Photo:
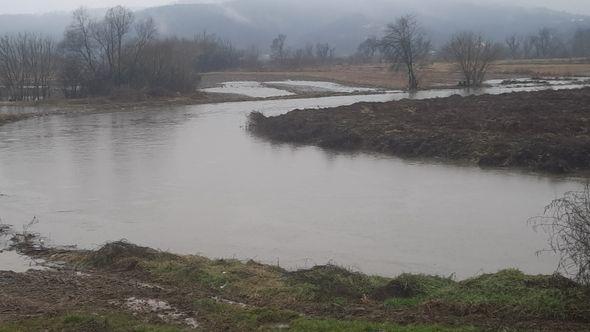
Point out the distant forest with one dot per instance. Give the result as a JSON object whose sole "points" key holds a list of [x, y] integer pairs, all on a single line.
{"points": [[116, 51]]}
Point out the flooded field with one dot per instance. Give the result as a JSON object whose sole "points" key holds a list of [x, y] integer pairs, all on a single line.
{"points": [[193, 180]]}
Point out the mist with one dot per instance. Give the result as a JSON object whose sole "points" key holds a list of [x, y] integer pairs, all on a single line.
{"points": [[32, 6]]}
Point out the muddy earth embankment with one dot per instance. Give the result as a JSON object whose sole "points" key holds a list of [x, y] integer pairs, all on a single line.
{"points": [[125, 287], [546, 131]]}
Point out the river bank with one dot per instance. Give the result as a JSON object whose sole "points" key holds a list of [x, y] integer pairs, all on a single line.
{"points": [[124, 287], [15, 111], [547, 131]]}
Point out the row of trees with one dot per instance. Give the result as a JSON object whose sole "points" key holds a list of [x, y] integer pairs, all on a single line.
{"points": [[116, 52], [544, 44], [282, 55], [26, 65], [406, 46], [120, 51]]}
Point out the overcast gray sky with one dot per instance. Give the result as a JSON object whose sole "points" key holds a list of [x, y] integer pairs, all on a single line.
{"points": [[41, 6]]}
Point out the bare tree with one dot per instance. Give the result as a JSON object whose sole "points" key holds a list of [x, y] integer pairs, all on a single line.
{"points": [[111, 36], [567, 221], [528, 44], [514, 43], [277, 48], [369, 48], [324, 52], [169, 66], [146, 32], [26, 65], [581, 43], [78, 38], [39, 65], [547, 44], [406, 45], [473, 54], [543, 44], [13, 64]]}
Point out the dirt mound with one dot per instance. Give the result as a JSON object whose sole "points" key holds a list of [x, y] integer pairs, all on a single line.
{"points": [[409, 286], [545, 131], [334, 281], [120, 255]]}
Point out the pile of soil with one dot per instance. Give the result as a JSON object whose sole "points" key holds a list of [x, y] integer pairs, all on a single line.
{"points": [[543, 131]]}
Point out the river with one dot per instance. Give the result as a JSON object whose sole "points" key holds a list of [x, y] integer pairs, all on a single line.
{"points": [[191, 179]]}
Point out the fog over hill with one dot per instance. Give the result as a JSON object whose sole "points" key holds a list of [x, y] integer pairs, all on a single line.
{"points": [[343, 23]]}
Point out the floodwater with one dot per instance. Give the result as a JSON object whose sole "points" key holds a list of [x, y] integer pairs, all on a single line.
{"points": [[191, 179], [11, 260], [318, 86], [250, 89]]}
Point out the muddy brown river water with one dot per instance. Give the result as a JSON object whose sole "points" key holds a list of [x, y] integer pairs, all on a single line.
{"points": [[191, 179]]}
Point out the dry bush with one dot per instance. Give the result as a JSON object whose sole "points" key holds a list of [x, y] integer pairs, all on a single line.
{"points": [[567, 221]]}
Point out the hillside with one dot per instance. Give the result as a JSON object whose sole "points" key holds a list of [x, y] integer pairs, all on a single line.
{"points": [[342, 23]]}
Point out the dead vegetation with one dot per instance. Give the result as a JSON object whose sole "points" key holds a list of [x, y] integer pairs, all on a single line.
{"points": [[124, 287], [380, 75], [546, 131]]}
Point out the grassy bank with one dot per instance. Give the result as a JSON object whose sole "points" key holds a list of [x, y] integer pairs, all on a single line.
{"points": [[543, 131], [123, 287]]}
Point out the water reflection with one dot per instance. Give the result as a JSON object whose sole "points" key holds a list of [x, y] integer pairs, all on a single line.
{"points": [[191, 180]]}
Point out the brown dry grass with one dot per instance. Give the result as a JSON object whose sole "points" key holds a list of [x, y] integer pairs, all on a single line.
{"points": [[439, 74]]}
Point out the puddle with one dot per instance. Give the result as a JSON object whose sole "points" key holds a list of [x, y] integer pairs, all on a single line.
{"points": [[250, 89], [146, 305], [163, 309], [12, 261], [538, 82]]}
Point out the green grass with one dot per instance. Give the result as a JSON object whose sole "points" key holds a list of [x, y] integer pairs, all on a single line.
{"points": [[221, 316], [114, 322], [508, 292], [513, 292], [305, 325], [331, 291], [336, 284]]}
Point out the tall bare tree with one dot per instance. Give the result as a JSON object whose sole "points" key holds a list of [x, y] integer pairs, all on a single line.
{"points": [[277, 48], [324, 52], [26, 65], [581, 43], [78, 38], [405, 45], [473, 54], [369, 48], [528, 45], [514, 44], [111, 35]]}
